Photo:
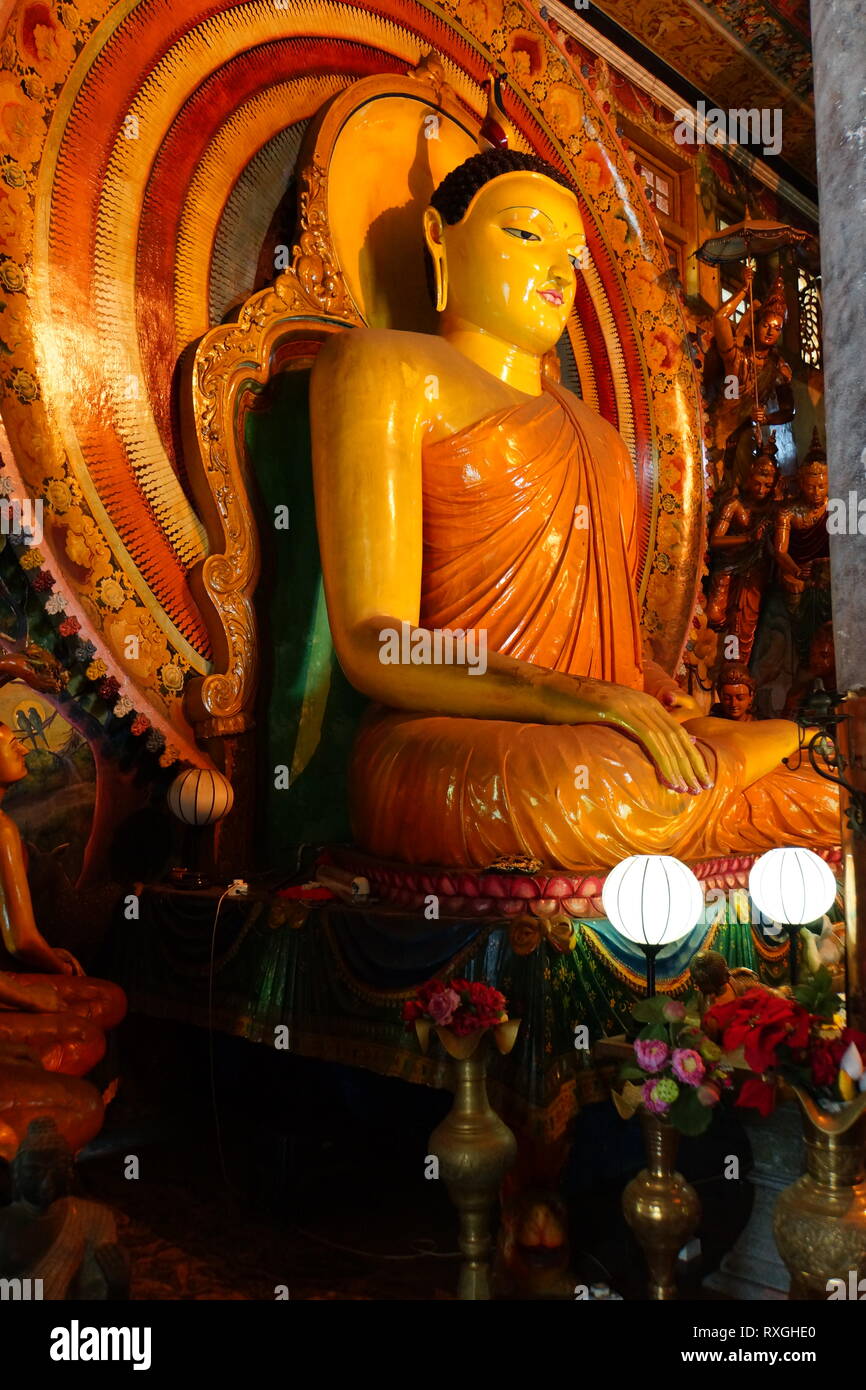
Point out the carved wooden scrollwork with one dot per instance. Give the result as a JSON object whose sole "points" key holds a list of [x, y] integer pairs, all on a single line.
{"points": [[230, 361]]}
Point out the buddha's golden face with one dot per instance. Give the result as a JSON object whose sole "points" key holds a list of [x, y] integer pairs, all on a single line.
{"points": [[511, 260]]}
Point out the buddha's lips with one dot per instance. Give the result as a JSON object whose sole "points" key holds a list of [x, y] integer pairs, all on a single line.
{"points": [[553, 296]]}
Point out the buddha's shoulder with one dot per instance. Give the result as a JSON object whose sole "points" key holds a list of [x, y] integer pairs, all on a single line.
{"points": [[386, 350], [598, 432]]}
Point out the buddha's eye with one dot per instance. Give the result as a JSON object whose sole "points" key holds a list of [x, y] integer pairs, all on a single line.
{"points": [[522, 233]]}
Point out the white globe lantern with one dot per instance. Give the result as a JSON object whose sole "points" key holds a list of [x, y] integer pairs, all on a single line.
{"points": [[199, 796], [652, 900], [792, 886]]}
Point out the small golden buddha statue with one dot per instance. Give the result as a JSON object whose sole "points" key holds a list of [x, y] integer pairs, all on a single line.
{"points": [[740, 555], [736, 694], [461, 491], [52, 1018], [718, 983]]}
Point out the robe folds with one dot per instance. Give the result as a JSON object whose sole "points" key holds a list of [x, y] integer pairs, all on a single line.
{"points": [[530, 536]]}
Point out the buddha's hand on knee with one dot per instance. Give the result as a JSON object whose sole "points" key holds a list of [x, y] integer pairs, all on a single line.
{"points": [[674, 753], [67, 962]]}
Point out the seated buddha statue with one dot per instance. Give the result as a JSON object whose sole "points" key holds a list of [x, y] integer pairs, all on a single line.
{"points": [[462, 494], [52, 1018]]}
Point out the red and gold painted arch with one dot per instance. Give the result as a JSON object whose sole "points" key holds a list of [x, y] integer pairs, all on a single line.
{"points": [[145, 149]]}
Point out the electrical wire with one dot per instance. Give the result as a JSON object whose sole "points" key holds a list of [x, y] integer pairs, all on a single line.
{"points": [[210, 1042], [377, 1254]]}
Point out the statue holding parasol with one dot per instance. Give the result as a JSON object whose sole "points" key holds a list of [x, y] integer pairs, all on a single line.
{"points": [[747, 374]]}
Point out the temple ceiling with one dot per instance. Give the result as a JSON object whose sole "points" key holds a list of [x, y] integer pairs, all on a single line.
{"points": [[739, 53]]}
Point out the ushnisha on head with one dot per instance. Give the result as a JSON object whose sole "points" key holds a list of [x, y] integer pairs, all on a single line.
{"points": [[505, 237]]}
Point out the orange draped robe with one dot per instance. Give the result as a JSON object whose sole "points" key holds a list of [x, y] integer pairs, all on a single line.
{"points": [[530, 535]]}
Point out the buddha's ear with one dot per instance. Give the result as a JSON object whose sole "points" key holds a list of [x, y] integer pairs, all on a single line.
{"points": [[435, 243], [433, 228]]}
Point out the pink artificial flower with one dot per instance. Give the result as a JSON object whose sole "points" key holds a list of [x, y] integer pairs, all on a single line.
{"points": [[441, 1006], [688, 1066], [708, 1095], [651, 1053], [673, 1010]]}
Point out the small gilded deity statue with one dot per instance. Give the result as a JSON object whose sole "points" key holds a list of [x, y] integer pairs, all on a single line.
{"points": [[800, 540], [741, 558], [756, 389], [736, 694]]}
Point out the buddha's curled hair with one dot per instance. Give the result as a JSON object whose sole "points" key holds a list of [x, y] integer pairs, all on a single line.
{"points": [[457, 189]]}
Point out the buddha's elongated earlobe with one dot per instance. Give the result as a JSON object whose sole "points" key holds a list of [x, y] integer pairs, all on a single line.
{"points": [[433, 239], [440, 272]]}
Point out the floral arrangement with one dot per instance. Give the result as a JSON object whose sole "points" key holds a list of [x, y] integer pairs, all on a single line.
{"points": [[678, 1072], [464, 1006], [802, 1040]]}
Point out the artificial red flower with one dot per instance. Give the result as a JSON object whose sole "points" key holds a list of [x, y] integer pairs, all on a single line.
{"points": [[69, 627], [44, 581], [825, 1058], [757, 1095], [108, 687], [760, 1023]]}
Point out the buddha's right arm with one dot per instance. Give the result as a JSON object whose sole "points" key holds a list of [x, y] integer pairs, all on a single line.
{"points": [[369, 415], [19, 933]]}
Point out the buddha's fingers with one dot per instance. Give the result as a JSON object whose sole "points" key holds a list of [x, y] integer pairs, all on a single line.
{"points": [[672, 769], [696, 758], [688, 759]]}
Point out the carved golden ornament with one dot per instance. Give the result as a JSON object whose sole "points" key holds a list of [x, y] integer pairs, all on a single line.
{"points": [[231, 361], [527, 932], [820, 1220]]}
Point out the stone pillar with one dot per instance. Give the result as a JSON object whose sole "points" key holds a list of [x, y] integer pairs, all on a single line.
{"points": [[839, 51], [753, 1269]]}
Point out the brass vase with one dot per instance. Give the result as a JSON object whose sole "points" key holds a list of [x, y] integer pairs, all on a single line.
{"points": [[475, 1149], [820, 1220], [662, 1208]]}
